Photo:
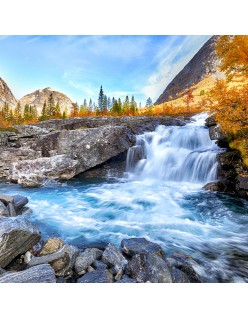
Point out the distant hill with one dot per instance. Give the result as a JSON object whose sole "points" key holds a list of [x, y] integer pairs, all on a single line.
{"points": [[6, 95], [39, 96], [204, 64]]}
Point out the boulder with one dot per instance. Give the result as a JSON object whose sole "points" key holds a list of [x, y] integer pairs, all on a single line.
{"points": [[52, 245], [214, 186], [62, 260], [210, 121], [149, 268], [216, 133], [186, 264], [85, 143], [126, 280], [113, 257], [86, 258], [16, 237], [99, 265], [3, 209], [34, 173], [19, 202], [178, 276], [140, 245], [97, 276], [37, 274]]}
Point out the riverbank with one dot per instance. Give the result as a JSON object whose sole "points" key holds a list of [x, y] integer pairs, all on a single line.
{"points": [[24, 258]]}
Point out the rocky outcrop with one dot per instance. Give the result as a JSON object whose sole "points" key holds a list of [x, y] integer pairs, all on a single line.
{"points": [[140, 246], [16, 237], [61, 149], [12, 205], [203, 64], [39, 96], [232, 173], [37, 274], [6, 95]]}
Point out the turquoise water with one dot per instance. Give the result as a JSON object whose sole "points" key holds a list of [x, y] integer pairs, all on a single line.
{"points": [[181, 217], [159, 198]]}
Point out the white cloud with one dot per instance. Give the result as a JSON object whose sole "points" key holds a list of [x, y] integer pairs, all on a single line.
{"points": [[172, 58]]}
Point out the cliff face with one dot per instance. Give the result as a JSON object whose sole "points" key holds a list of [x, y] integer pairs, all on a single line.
{"points": [[203, 64], [39, 96], [6, 95]]}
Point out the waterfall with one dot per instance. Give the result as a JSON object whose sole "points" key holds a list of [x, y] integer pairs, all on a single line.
{"points": [[175, 153]]}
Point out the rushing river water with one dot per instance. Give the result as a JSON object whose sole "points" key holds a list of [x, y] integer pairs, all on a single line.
{"points": [[159, 198]]}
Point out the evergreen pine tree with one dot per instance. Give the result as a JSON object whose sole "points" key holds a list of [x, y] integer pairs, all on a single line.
{"points": [[18, 114], [133, 106], [57, 110], [51, 106], [101, 100], [126, 106]]}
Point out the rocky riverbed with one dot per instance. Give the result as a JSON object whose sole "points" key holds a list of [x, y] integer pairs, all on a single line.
{"points": [[24, 258], [232, 173]]}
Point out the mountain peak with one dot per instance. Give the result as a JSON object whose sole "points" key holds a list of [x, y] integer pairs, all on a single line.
{"points": [[203, 64], [6, 96]]}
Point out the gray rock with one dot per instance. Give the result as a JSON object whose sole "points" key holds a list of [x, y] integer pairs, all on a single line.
{"points": [[99, 265], [38, 274], [34, 173], [29, 130], [97, 276], [6, 198], [127, 280], [16, 237], [216, 133], [149, 268], [89, 141], [86, 258], [2, 271], [179, 276], [3, 209], [137, 267], [140, 245], [186, 264], [113, 257], [62, 261], [19, 202]]}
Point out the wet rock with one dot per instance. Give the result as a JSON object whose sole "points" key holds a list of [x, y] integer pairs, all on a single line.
{"points": [[83, 245], [97, 276], [33, 173], [149, 268], [126, 280], [186, 264], [17, 236], [140, 245], [52, 245], [2, 271], [113, 257], [38, 274], [179, 276], [19, 202], [3, 209], [99, 265], [214, 186], [216, 133], [210, 121], [86, 258]]}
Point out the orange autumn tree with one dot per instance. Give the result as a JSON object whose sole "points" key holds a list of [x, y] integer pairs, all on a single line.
{"points": [[231, 102]]}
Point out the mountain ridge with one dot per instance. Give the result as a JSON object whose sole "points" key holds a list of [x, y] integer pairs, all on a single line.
{"points": [[203, 64]]}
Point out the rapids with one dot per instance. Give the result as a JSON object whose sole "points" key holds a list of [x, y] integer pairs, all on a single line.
{"points": [[159, 197]]}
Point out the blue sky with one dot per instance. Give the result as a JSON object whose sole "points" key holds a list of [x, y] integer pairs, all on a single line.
{"points": [[77, 65]]}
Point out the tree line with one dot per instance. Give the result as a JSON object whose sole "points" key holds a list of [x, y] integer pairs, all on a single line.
{"points": [[51, 109]]}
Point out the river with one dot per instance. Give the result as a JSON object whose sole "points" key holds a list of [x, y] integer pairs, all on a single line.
{"points": [[159, 197]]}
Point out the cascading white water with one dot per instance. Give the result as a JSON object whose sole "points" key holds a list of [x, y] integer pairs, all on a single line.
{"points": [[178, 153]]}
